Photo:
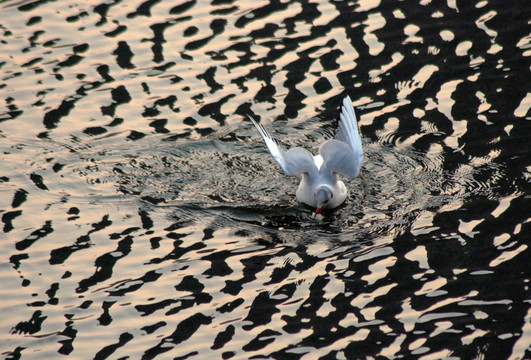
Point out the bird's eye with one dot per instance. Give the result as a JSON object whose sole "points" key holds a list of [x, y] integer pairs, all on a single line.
{"points": [[331, 196]]}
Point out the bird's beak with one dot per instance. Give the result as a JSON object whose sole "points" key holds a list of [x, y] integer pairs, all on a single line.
{"points": [[318, 210]]}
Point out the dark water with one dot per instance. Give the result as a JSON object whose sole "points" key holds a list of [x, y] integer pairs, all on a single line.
{"points": [[142, 216]]}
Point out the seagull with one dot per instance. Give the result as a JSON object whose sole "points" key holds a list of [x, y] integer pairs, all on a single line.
{"points": [[320, 186]]}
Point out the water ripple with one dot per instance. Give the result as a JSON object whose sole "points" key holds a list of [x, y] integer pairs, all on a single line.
{"points": [[142, 216]]}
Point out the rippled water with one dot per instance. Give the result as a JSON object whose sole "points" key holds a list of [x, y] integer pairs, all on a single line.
{"points": [[142, 216]]}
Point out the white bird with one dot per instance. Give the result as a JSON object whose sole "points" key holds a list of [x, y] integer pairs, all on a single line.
{"points": [[320, 186]]}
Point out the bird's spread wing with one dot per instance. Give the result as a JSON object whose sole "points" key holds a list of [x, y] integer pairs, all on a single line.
{"points": [[295, 161], [344, 154]]}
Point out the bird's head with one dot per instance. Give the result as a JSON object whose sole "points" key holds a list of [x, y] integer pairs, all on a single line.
{"points": [[323, 195]]}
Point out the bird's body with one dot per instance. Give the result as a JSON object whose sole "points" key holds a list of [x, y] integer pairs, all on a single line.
{"points": [[306, 192], [320, 186]]}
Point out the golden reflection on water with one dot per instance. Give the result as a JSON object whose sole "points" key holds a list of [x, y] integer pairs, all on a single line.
{"points": [[140, 211]]}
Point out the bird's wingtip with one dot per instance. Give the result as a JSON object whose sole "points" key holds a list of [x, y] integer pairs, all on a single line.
{"points": [[252, 120], [347, 101]]}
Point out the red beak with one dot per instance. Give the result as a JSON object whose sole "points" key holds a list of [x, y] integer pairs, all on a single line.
{"points": [[318, 210]]}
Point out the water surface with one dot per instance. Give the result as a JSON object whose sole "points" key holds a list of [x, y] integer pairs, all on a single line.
{"points": [[142, 216]]}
